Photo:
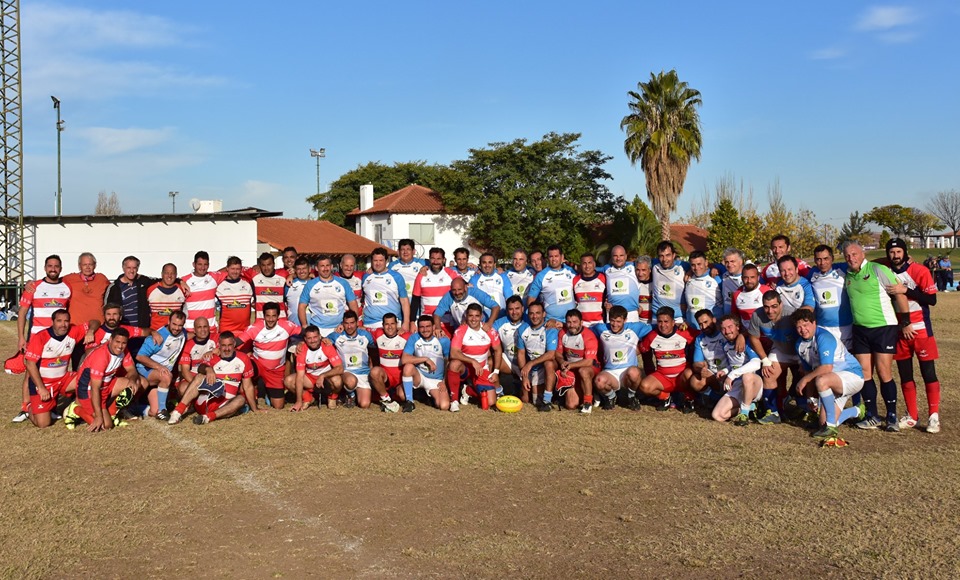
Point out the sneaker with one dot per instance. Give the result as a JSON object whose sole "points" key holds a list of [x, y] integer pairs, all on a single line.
{"points": [[907, 422], [163, 415], [390, 407], [893, 425], [464, 397], [825, 432], [933, 424], [597, 402], [125, 414], [862, 414], [586, 408], [608, 403], [741, 420], [201, 419], [544, 407], [175, 418], [70, 417], [770, 418], [454, 407], [118, 422], [664, 405], [633, 403], [869, 424], [350, 402], [409, 406], [124, 398], [21, 417], [687, 407]]}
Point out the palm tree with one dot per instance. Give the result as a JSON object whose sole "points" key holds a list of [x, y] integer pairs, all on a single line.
{"points": [[663, 133]]}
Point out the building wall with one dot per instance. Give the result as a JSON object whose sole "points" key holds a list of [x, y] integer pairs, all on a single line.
{"points": [[449, 231], [154, 243]]}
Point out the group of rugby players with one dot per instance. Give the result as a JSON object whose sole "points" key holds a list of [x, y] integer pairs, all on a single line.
{"points": [[674, 333]]}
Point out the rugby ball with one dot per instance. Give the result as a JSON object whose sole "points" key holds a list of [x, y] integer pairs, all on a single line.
{"points": [[509, 404]]}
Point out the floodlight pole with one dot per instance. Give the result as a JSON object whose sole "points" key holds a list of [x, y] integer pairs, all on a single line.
{"points": [[173, 199], [319, 154], [56, 105]]}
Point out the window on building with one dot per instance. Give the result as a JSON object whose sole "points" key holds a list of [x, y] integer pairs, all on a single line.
{"points": [[378, 233], [422, 234]]}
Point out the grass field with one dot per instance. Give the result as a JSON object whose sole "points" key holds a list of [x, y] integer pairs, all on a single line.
{"points": [[348, 493]]}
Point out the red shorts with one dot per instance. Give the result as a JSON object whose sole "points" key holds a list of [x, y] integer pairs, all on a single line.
{"points": [[483, 380], [104, 395], [669, 383], [55, 388], [925, 347], [393, 376], [272, 378], [210, 405]]}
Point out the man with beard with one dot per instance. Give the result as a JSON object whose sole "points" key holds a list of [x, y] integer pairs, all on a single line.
{"points": [[749, 298], [590, 290], [432, 284], [577, 363]]}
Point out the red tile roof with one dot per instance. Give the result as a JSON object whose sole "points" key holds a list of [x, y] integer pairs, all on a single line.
{"points": [[688, 236], [313, 237], [411, 199]]}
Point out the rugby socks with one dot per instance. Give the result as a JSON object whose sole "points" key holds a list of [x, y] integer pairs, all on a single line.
{"points": [[547, 397], [407, 388], [933, 396], [745, 408], [162, 398], [84, 413], [211, 416], [770, 400], [612, 395], [828, 402], [453, 383], [631, 394], [910, 398], [848, 413], [180, 408], [307, 397], [588, 399], [869, 392], [888, 390]]}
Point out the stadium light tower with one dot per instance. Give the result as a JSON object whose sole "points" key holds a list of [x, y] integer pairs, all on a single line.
{"points": [[319, 154], [56, 105], [173, 199]]}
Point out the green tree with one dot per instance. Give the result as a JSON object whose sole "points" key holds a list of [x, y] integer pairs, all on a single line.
{"points": [[525, 195], [855, 229], [727, 229], [634, 227], [884, 238], [663, 134], [922, 224], [895, 218], [344, 193]]}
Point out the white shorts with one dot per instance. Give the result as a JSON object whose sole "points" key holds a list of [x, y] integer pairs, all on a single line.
{"points": [[428, 384], [617, 374], [510, 363], [851, 386], [842, 333], [784, 358], [538, 375], [325, 332], [736, 392], [363, 381]]}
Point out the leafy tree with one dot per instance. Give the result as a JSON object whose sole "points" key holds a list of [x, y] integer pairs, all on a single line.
{"points": [[107, 205], [946, 207], [727, 229], [884, 238], [895, 218], [535, 194], [344, 193], [855, 229], [663, 134], [922, 224], [635, 227], [807, 235]]}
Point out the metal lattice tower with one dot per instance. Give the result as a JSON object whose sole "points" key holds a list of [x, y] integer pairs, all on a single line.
{"points": [[12, 242]]}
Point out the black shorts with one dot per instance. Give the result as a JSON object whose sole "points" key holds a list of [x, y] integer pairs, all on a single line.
{"points": [[880, 340]]}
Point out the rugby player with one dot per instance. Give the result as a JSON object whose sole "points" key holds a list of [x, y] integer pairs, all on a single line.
{"points": [[668, 280], [452, 310], [507, 328], [536, 262], [668, 345], [773, 337], [269, 286], [390, 344], [749, 298], [318, 365], [779, 247], [708, 358], [269, 338], [432, 284], [357, 349], [495, 284], [201, 289], [577, 363], [156, 361], [292, 293], [732, 279], [88, 290], [348, 271], [590, 290], [197, 350], [621, 283], [701, 291], [165, 297], [521, 275], [536, 356], [46, 358], [462, 266], [407, 264], [832, 304], [644, 270], [737, 372], [795, 292], [424, 366], [619, 340], [553, 286], [100, 392], [384, 291], [474, 355], [235, 294], [324, 299]]}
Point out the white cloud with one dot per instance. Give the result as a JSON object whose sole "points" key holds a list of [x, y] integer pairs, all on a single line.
{"points": [[829, 53], [261, 193], [68, 27], [110, 141], [879, 18]]}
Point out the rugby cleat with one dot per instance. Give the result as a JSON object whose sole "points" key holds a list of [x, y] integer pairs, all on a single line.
{"points": [[586, 408], [21, 417], [687, 407], [933, 424], [741, 420], [608, 403], [163, 415], [201, 419], [409, 406], [907, 422], [175, 418], [633, 403], [825, 432], [454, 407], [770, 418], [664, 405], [124, 398], [869, 424], [70, 417], [544, 407], [389, 406]]}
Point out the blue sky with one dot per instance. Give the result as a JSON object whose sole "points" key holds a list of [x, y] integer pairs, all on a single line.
{"points": [[848, 104]]}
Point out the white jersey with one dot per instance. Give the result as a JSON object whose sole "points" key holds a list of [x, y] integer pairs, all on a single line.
{"points": [[519, 281]]}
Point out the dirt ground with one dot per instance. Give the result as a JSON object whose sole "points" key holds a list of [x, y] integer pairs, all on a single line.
{"points": [[350, 493]]}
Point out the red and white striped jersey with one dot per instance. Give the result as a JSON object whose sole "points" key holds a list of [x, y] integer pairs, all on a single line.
{"points": [[163, 302], [317, 362], [356, 282], [232, 371], [45, 299], [577, 347], [645, 300], [269, 290], [203, 297], [745, 302], [236, 300], [391, 348], [476, 344], [269, 344], [103, 365], [589, 296], [52, 353], [103, 334], [670, 352], [431, 287], [194, 352]]}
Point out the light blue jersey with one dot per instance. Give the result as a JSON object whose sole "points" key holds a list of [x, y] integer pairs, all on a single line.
{"points": [[381, 295], [823, 348], [535, 342], [702, 292], [554, 288], [795, 296], [620, 349], [623, 289], [666, 288], [435, 349], [508, 336], [354, 350], [326, 301], [167, 353], [452, 312], [408, 270], [833, 306], [497, 286], [708, 348]]}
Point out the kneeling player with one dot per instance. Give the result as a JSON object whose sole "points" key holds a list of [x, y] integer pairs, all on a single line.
{"points": [[507, 327], [577, 363], [47, 354], [423, 366], [390, 342], [708, 358], [99, 391], [536, 352], [619, 340], [318, 365], [215, 388], [357, 349], [669, 348], [470, 359], [828, 367], [738, 375]]}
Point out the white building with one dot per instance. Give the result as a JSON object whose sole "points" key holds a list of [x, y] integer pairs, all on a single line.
{"points": [[414, 212], [153, 238]]}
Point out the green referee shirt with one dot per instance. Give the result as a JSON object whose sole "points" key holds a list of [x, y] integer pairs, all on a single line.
{"points": [[869, 301]]}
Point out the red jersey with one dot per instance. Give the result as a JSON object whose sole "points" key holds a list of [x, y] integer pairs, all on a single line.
{"points": [[194, 352], [391, 349], [236, 301], [232, 371], [164, 302], [577, 347], [103, 365], [917, 277], [645, 299], [317, 362], [203, 298], [52, 353], [670, 352], [589, 295], [269, 290], [744, 303], [476, 344], [45, 299], [269, 344], [432, 287]]}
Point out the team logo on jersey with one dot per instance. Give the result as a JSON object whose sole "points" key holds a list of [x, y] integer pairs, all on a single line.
{"points": [[619, 356], [827, 295], [51, 304], [709, 283], [57, 362], [268, 292], [665, 287], [618, 284], [235, 304], [354, 359], [378, 295], [564, 293], [329, 306], [389, 355], [695, 301]]}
